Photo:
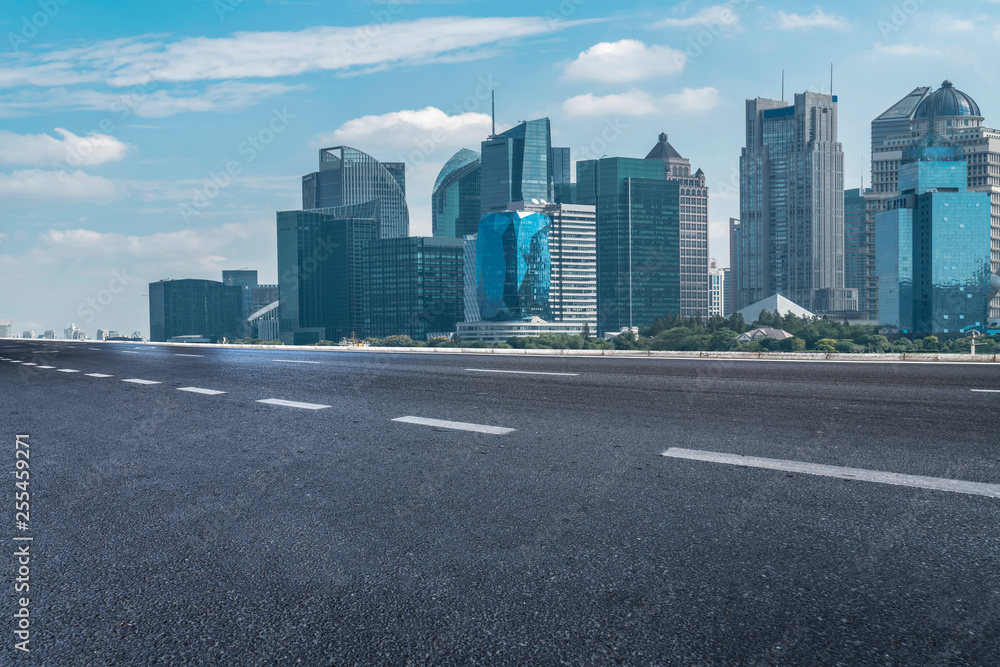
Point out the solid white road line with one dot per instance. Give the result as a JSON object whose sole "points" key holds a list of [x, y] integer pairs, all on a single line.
{"points": [[99, 375], [295, 361], [67, 370], [137, 381], [986, 391], [458, 426], [859, 474], [95, 349], [199, 390], [293, 404], [490, 370], [130, 352], [46, 366], [189, 355], [15, 361], [29, 363]]}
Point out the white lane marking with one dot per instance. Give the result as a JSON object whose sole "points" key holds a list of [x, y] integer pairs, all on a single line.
{"points": [[137, 381], [29, 363], [293, 404], [189, 355], [99, 375], [129, 352], [199, 390], [67, 370], [295, 361], [95, 349], [490, 370], [859, 474], [458, 426], [46, 366], [14, 361], [986, 391]]}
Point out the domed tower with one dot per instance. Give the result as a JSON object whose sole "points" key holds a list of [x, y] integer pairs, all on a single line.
{"points": [[945, 111]]}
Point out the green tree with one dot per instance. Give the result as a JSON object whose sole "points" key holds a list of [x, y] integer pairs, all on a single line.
{"points": [[826, 345]]}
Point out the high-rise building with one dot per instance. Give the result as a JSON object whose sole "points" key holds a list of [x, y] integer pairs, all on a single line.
{"points": [[727, 293], [349, 177], [573, 251], [716, 289], [562, 167], [790, 236], [456, 199], [948, 114], [6, 329], [246, 280], [694, 226], [102, 334], [413, 286], [321, 274], [513, 267], [638, 239], [27, 333], [858, 249], [470, 280], [933, 246], [517, 166], [191, 307]]}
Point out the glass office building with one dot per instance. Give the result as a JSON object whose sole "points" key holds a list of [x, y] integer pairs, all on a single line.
{"points": [[320, 275], [933, 247], [455, 200], [517, 166], [638, 240], [513, 266], [413, 286], [349, 177], [195, 308]]}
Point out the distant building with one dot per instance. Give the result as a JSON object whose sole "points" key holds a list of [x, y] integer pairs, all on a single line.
{"points": [[470, 279], [517, 166], [561, 165], [102, 334], [27, 333], [6, 329], [933, 246], [412, 286], [716, 289], [529, 327], [70, 332], [573, 253], [727, 293], [513, 266], [693, 227], [774, 304], [49, 334], [194, 308], [321, 273], [638, 239], [348, 177], [859, 252], [456, 198], [762, 333], [789, 238]]}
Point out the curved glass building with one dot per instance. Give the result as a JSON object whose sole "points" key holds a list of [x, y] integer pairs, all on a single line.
{"points": [[455, 199], [513, 266], [348, 177]]}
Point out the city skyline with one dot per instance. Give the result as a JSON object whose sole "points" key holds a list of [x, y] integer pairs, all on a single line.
{"points": [[188, 166]]}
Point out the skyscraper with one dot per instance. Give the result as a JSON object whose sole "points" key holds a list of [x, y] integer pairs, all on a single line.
{"points": [[933, 246], [716, 289], [513, 266], [638, 239], [517, 166], [412, 286], [859, 244], [790, 236], [573, 251], [951, 115], [694, 227], [320, 273], [349, 177], [456, 198]]}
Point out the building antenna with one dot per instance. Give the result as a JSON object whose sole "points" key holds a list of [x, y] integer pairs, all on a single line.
{"points": [[831, 79], [782, 85], [493, 98]]}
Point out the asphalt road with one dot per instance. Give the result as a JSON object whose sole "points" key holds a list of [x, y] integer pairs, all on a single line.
{"points": [[174, 526]]}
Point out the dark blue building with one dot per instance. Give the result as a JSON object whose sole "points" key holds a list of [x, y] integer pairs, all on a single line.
{"points": [[517, 166]]}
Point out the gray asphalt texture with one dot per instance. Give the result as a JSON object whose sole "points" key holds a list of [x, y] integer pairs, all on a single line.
{"points": [[175, 528]]}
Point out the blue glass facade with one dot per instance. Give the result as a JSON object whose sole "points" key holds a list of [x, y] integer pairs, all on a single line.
{"points": [[513, 266], [517, 166], [195, 308], [933, 249], [455, 200]]}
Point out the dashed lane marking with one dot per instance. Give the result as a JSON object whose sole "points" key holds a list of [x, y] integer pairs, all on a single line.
{"points": [[138, 381], [458, 426], [199, 390], [293, 404]]}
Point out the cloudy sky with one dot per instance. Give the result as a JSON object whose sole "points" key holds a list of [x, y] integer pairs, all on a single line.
{"points": [[158, 141]]}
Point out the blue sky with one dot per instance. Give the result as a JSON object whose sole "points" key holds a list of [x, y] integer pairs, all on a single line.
{"points": [[118, 126]]}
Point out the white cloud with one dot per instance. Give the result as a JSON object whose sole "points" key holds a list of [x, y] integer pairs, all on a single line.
{"points": [[633, 103], [135, 61], [717, 15], [904, 50], [818, 19], [427, 131], [624, 61], [31, 186], [638, 102], [44, 149]]}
